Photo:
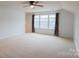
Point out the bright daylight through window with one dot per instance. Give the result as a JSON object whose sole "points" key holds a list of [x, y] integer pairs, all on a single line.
{"points": [[45, 21]]}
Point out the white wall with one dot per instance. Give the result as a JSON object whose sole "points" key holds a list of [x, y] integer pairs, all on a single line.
{"points": [[11, 21], [76, 31], [66, 24]]}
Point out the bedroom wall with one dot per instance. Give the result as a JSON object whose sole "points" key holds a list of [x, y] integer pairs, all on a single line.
{"points": [[66, 22], [11, 21], [76, 31]]}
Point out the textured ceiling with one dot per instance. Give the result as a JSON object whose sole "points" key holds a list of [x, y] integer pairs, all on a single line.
{"points": [[72, 6]]}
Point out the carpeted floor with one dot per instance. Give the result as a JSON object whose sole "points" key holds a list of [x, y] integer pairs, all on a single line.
{"points": [[36, 45]]}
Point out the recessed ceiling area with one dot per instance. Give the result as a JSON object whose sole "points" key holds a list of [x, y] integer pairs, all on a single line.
{"points": [[71, 6]]}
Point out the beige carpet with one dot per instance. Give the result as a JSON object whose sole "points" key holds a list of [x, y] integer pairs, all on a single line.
{"points": [[36, 45]]}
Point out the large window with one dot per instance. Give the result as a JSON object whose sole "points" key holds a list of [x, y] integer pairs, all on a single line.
{"points": [[36, 21], [45, 21], [52, 21]]}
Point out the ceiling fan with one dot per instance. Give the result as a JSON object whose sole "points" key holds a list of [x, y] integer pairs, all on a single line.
{"points": [[32, 4]]}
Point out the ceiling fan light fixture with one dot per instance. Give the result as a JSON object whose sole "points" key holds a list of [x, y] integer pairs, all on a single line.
{"points": [[32, 6]]}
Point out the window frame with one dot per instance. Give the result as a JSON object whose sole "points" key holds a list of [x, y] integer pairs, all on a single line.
{"points": [[48, 20]]}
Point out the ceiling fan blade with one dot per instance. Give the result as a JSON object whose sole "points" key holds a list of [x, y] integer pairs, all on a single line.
{"points": [[35, 2], [39, 5], [31, 4]]}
